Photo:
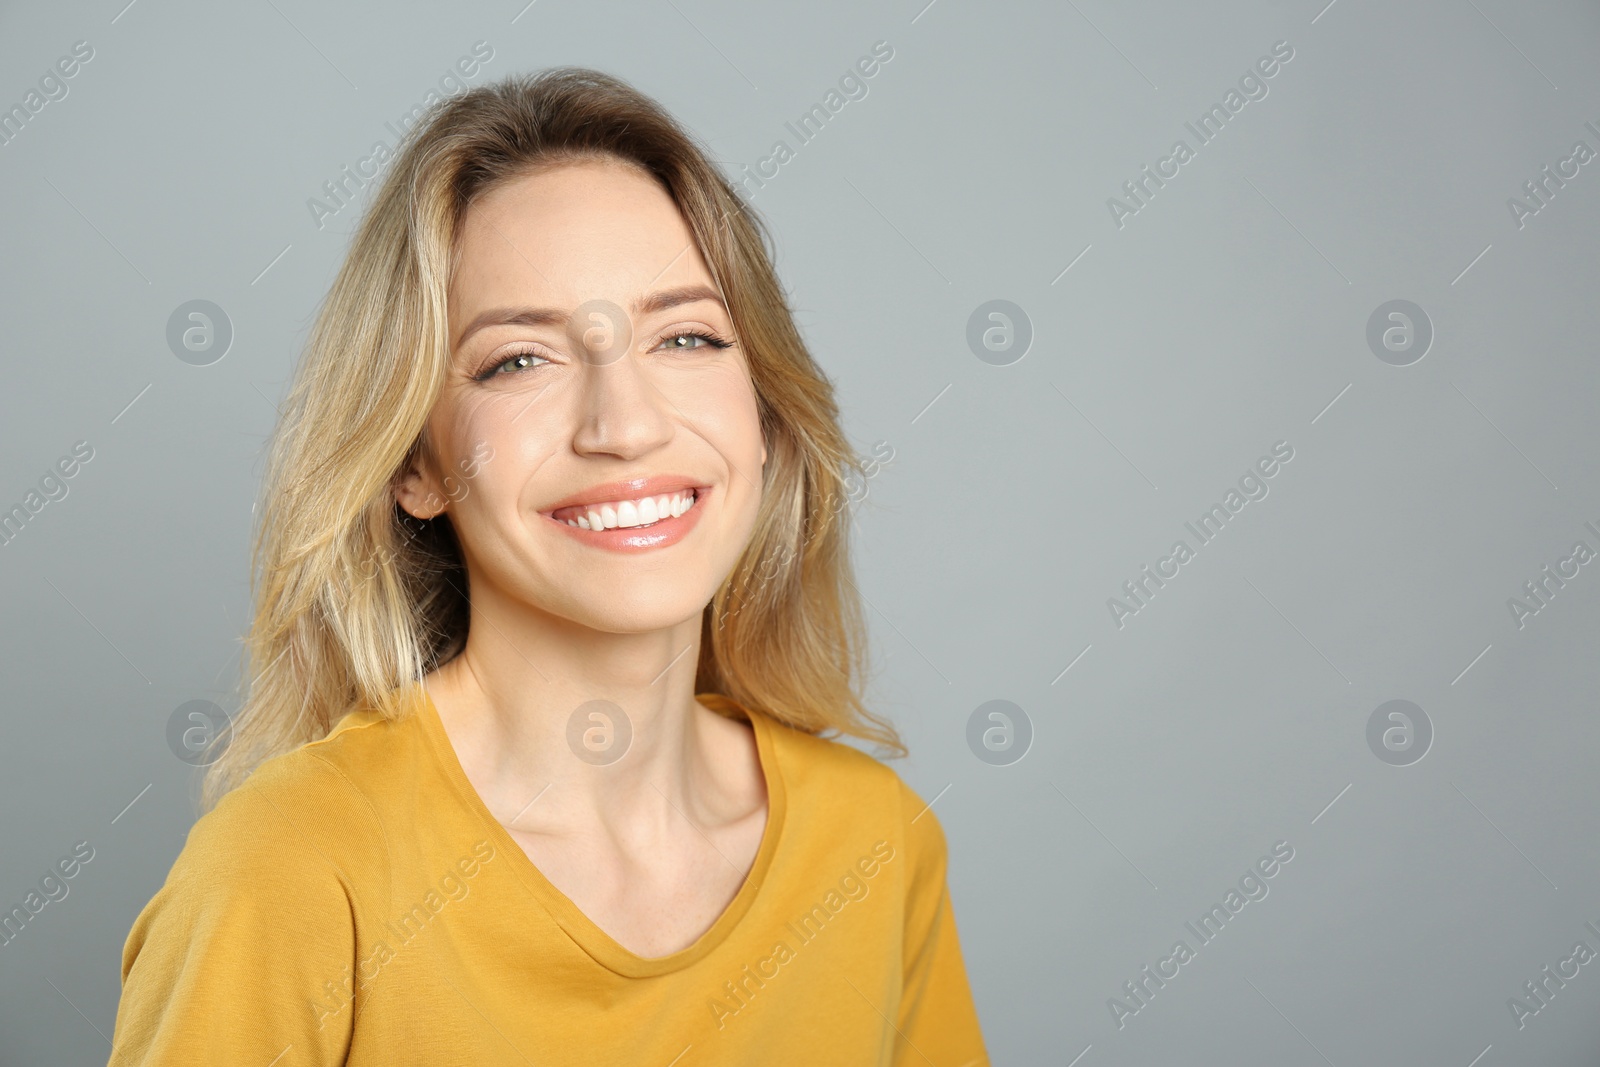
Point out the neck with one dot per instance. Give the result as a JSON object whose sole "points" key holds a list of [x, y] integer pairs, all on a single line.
{"points": [[561, 728]]}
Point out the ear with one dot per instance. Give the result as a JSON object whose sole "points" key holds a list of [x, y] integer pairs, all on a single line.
{"points": [[416, 489]]}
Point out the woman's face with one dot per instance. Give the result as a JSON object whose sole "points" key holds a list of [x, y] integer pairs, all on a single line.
{"points": [[593, 367]]}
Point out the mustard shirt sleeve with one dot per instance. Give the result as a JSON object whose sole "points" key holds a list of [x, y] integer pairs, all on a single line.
{"points": [[938, 1019], [229, 962]]}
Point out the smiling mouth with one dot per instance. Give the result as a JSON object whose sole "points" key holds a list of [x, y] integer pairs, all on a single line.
{"points": [[636, 513]]}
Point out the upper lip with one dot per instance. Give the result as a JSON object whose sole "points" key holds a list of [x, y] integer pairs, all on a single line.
{"points": [[631, 489]]}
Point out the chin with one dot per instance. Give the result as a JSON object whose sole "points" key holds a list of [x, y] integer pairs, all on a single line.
{"points": [[636, 613]]}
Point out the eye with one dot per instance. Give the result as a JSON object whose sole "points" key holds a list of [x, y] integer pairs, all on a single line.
{"points": [[518, 361], [680, 342]]}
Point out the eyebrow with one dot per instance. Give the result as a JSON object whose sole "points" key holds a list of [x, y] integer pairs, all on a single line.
{"points": [[532, 316]]}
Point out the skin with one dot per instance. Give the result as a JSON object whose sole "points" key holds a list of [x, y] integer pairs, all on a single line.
{"points": [[653, 846]]}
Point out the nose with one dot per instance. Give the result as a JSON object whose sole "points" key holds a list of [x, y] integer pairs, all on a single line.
{"points": [[621, 411]]}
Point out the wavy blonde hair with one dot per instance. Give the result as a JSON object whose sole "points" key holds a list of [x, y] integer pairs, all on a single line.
{"points": [[354, 599]]}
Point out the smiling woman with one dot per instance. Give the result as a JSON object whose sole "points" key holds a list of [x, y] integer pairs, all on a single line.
{"points": [[558, 296]]}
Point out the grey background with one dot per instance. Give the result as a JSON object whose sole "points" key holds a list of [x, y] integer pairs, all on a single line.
{"points": [[1228, 314]]}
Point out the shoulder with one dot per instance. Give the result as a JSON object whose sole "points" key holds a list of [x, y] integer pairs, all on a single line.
{"points": [[309, 802], [297, 851], [832, 775], [310, 816], [813, 761], [301, 843]]}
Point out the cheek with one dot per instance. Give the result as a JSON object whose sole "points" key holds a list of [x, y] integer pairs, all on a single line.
{"points": [[721, 405], [485, 446], [726, 416], [477, 419]]}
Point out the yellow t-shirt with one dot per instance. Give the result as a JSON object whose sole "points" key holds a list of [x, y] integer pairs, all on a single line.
{"points": [[354, 902]]}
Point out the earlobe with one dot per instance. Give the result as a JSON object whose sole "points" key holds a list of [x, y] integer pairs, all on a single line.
{"points": [[408, 492], [416, 487], [421, 510], [407, 501]]}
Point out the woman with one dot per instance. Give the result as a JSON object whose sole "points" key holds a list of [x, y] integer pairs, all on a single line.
{"points": [[553, 610]]}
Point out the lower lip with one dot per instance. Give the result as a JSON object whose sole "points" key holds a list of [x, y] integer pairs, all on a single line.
{"points": [[659, 534]]}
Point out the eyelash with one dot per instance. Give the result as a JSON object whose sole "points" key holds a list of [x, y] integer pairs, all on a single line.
{"points": [[493, 370]]}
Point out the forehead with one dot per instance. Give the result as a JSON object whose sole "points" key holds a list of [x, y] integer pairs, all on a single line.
{"points": [[569, 233]]}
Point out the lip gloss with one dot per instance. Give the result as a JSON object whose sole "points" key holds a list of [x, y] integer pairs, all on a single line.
{"points": [[659, 534]]}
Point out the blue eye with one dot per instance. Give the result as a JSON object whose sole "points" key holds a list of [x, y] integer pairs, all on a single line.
{"points": [[676, 341], [521, 361], [492, 371]]}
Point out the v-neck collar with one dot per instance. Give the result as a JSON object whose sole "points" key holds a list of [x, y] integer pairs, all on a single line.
{"points": [[590, 937]]}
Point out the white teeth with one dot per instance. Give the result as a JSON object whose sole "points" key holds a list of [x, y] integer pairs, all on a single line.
{"points": [[629, 513]]}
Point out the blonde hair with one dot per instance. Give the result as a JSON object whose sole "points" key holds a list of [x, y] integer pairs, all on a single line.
{"points": [[354, 599]]}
